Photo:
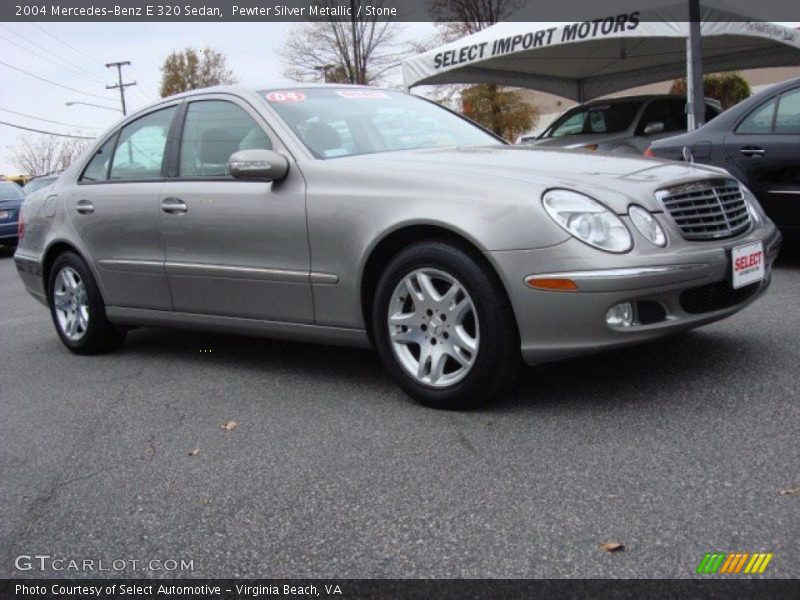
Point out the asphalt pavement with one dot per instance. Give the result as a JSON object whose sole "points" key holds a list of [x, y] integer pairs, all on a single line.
{"points": [[674, 449]]}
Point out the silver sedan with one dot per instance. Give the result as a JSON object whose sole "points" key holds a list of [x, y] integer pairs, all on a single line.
{"points": [[352, 215]]}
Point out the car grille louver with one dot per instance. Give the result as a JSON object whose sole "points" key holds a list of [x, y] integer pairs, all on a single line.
{"points": [[707, 210]]}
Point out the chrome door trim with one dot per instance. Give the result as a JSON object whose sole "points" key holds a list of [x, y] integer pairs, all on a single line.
{"points": [[175, 268], [139, 266]]}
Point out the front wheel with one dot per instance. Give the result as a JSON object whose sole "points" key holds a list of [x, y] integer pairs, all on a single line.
{"points": [[444, 327], [77, 308]]}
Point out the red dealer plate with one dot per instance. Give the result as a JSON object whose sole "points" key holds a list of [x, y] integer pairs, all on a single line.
{"points": [[748, 264]]}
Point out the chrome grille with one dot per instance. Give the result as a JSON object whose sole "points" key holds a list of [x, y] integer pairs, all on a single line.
{"points": [[707, 210]]}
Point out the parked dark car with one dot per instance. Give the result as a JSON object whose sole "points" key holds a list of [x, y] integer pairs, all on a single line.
{"points": [[624, 125], [11, 197], [757, 141]]}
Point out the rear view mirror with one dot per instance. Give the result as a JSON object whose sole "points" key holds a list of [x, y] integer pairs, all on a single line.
{"points": [[258, 164], [655, 127]]}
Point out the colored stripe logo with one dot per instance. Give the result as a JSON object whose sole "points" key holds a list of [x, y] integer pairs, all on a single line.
{"points": [[733, 563]]}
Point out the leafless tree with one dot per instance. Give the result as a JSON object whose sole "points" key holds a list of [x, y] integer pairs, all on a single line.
{"points": [[40, 155], [323, 50], [457, 18]]}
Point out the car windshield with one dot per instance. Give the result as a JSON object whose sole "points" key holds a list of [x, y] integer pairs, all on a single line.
{"points": [[345, 122], [10, 191], [613, 117]]}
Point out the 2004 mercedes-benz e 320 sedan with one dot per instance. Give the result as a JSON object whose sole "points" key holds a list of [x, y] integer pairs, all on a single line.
{"points": [[360, 216]]}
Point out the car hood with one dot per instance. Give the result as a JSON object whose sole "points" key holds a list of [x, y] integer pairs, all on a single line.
{"points": [[578, 141], [615, 180]]}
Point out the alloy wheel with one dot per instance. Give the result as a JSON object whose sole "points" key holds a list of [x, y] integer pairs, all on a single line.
{"points": [[71, 304], [433, 327]]}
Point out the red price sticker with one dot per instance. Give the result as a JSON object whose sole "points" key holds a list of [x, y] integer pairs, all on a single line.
{"points": [[278, 97]]}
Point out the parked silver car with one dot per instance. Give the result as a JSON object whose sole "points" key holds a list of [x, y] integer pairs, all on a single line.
{"points": [[351, 215], [624, 125]]}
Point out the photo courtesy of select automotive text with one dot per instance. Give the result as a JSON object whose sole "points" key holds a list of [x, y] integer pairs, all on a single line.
{"points": [[400, 299]]}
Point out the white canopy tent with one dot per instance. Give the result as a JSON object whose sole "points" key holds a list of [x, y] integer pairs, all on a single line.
{"points": [[588, 59]]}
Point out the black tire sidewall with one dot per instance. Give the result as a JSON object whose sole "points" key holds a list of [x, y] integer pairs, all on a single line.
{"points": [[498, 339], [100, 334]]}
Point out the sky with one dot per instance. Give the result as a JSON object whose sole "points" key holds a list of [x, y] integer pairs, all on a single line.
{"points": [[74, 55]]}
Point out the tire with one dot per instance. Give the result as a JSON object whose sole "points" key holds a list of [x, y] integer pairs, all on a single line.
{"points": [[452, 363], [77, 308]]}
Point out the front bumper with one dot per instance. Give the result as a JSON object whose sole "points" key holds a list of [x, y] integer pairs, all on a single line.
{"points": [[680, 287]]}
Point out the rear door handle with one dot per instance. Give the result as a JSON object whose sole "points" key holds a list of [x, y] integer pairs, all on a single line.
{"points": [[752, 151], [84, 207], [173, 206]]}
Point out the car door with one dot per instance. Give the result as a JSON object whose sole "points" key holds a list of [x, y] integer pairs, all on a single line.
{"points": [[237, 248], [765, 149], [115, 210]]}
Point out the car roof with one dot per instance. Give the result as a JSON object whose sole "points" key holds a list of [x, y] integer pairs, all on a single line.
{"points": [[247, 90]]}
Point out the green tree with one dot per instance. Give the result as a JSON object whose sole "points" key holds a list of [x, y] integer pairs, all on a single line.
{"points": [[502, 111], [191, 69], [728, 88]]}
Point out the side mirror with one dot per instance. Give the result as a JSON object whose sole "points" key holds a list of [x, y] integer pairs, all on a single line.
{"points": [[258, 164], [655, 127]]}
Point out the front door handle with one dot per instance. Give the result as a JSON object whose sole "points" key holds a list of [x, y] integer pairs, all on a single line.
{"points": [[84, 207], [752, 151], [173, 206]]}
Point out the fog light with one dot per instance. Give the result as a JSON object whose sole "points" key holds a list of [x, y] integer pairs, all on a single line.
{"points": [[620, 315]]}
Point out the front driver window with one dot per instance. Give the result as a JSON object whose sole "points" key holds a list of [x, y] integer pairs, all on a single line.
{"points": [[215, 129]]}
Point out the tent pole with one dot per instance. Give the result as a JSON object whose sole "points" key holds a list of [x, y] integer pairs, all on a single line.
{"points": [[695, 94]]}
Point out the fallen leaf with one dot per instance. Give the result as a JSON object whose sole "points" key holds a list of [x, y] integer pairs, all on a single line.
{"points": [[194, 451], [230, 425], [790, 492], [611, 546]]}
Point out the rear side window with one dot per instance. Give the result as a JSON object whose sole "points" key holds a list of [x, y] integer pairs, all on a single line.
{"points": [[142, 147], [760, 120], [658, 111], [97, 169], [213, 130], [787, 119]]}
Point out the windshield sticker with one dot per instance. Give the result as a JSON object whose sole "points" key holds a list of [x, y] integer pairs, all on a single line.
{"points": [[279, 97], [359, 94]]}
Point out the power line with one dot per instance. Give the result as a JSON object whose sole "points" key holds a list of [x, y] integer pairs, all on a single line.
{"points": [[144, 93], [50, 60], [68, 45], [13, 112], [60, 57], [66, 135], [28, 73]]}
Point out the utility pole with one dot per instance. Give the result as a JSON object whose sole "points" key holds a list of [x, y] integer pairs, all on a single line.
{"points": [[695, 94], [120, 86]]}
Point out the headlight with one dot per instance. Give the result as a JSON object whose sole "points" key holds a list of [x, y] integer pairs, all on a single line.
{"points": [[587, 220], [647, 225]]}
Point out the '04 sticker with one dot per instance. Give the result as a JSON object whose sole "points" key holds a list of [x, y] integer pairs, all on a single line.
{"points": [[278, 97]]}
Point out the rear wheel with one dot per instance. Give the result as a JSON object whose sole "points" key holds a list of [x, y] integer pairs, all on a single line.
{"points": [[77, 308], [444, 327]]}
